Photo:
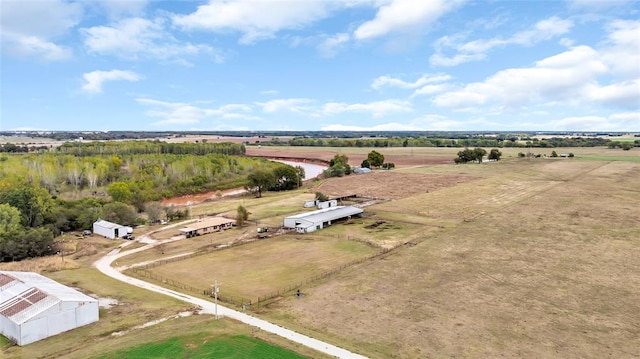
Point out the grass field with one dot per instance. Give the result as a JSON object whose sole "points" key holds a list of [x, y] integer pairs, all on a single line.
{"points": [[204, 345], [261, 268], [536, 259]]}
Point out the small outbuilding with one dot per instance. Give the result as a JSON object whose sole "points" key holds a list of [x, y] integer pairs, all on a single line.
{"points": [[111, 230], [34, 307], [362, 170], [207, 225], [311, 221]]}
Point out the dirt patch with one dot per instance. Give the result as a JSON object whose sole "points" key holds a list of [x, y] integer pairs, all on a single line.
{"points": [[390, 185], [201, 197]]}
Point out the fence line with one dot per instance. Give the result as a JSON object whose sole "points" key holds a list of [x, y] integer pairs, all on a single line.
{"points": [[243, 302]]}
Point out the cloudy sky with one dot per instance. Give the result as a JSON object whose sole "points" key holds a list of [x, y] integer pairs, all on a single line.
{"points": [[320, 65]]}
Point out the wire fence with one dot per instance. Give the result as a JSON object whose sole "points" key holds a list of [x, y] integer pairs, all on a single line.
{"points": [[246, 303]]}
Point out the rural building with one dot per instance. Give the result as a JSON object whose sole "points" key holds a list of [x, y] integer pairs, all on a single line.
{"points": [[34, 307], [111, 230], [361, 170], [311, 221], [327, 204], [207, 225]]}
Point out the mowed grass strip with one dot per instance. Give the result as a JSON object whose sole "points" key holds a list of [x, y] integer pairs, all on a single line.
{"points": [[264, 267], [199, 346]]}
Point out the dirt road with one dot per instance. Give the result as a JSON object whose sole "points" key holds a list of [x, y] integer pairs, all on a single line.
{"points": [[104, 265]]}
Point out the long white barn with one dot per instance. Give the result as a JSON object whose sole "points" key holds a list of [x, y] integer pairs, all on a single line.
{"points": [[311, 221], [34, 307]]}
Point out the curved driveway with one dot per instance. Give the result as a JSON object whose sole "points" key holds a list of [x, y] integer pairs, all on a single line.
{"points": [[104, 265]]}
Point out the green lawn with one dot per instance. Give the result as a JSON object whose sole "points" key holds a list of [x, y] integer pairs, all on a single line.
{"points": [[602, 158], [203, 346]]}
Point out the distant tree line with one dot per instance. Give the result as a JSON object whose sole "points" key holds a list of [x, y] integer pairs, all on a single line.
{"points": [[149, 147], [499, 142], [13, 148]]}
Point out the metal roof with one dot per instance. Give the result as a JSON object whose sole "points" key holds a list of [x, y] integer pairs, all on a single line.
{"points": [[23, 295], [328, 214], [106, 224], [206, 223]]}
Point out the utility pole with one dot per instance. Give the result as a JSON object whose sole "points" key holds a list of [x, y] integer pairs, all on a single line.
{"points": [[215, 296]]}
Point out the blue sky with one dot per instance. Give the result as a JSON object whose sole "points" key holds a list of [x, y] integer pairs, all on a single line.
{"points": [[320, 65]]}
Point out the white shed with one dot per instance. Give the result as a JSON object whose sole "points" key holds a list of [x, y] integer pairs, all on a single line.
{"points": [[111, 230], [34, 307], [311, 221]]}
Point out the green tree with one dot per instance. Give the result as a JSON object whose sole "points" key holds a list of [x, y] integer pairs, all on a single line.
{"points": [[321, 197], [340, 159], [495, 154], [34, 203], [479, 153], [286, 178], [120, 213], [301, 174], [554, 154], [365, 164], [375, 159], [626, 146], [120, 192], [241, 215], [260, 180], [9, 219]]}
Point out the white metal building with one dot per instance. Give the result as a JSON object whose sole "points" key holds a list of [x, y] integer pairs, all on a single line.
{"points": [[311, 221], [34, 307], [111, 230]]}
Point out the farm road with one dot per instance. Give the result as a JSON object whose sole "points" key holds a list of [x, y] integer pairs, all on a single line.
{"points": [[104, 265]]}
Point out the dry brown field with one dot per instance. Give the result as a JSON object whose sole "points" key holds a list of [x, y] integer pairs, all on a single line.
{"points": [[535, 258]]}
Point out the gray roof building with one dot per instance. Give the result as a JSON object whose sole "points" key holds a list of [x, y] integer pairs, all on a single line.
{"points": [[34, 307], [311, 221]]}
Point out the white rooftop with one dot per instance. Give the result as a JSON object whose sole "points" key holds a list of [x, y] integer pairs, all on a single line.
{"points": [[25, 294]]}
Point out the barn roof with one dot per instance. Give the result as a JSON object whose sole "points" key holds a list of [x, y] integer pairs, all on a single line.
{"points": [[106, 224], [24, 295], [206, 223], [328, 214]]}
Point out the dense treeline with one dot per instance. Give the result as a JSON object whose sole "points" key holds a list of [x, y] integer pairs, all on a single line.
{"points": [[13, 148], [149, 147], [44, 195], [147, 177], [446, 142]]}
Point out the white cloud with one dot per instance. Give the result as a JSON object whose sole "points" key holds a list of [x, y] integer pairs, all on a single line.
{"points": [[330, 46], [431, 90], [568, 77], [134, 37], [299, 105], [179, 113], [269, 92], [33, 46], [376, 108], [622, 50], [403, 15], [476, 50], [27, 28], [96, 79], [390, 81], [255, 19], [424, 123], [614, 122]]}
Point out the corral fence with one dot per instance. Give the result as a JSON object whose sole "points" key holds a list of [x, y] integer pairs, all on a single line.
{"points": [[247, 303]]}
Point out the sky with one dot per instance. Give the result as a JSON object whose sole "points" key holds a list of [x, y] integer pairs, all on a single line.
{"points": [[310, 65]]}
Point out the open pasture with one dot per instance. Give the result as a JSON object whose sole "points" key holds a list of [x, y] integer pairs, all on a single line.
{"points": [[537, 258], [261, 268]]}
